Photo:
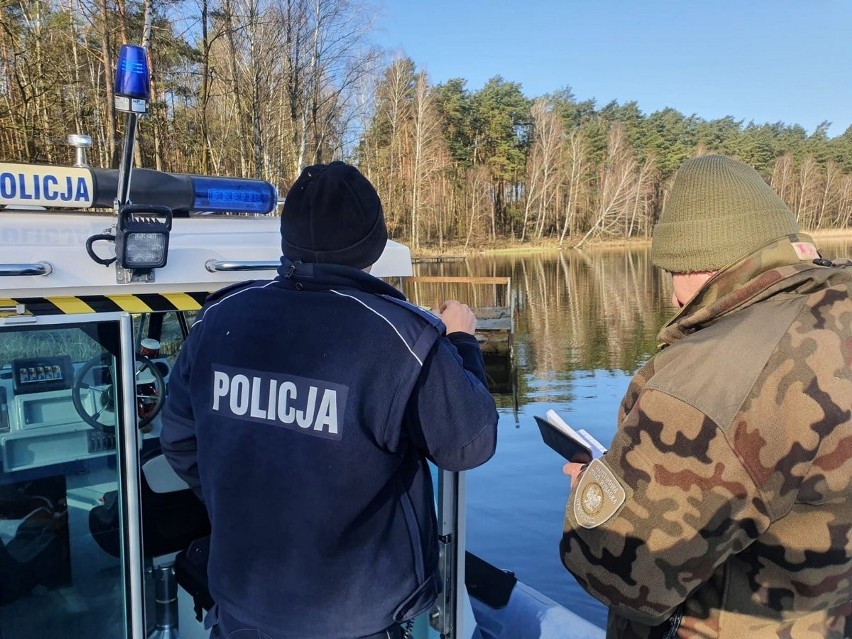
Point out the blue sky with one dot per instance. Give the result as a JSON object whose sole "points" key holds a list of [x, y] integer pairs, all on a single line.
{"points": [[760, 60]]}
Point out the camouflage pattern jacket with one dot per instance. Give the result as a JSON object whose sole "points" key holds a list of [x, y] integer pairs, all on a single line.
{"points": [[724, 505]]}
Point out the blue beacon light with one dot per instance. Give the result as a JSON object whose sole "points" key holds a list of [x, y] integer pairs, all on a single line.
{"points": [[217, 194], [132, 83]]}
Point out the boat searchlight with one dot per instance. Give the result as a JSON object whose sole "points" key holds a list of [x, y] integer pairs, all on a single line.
{"points": [[142, 236]]}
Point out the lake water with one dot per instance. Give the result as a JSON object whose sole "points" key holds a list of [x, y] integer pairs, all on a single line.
{"points": [[585, 321]]}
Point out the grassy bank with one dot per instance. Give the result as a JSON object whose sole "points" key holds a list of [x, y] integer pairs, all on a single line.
{"points": [[508, 247]]}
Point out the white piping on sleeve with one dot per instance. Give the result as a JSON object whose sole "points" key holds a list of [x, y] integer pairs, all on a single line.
{"points": [[370, 308]]}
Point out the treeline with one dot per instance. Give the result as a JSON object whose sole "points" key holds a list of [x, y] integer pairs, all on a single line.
{"points": [[262, 88]]}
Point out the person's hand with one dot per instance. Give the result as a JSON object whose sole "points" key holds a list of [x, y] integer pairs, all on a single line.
{"points": [[573, 470], [457, 317]]}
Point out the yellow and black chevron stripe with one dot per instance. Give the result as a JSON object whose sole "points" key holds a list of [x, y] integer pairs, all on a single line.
{"points": [[142, 303]]}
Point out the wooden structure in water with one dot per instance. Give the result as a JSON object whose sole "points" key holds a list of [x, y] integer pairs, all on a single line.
{"points": [[439, 259], [494, 308]]}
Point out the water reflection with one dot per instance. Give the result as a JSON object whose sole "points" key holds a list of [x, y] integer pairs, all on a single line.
{"points": [[585, 321], [835, 248], [575, 310]]}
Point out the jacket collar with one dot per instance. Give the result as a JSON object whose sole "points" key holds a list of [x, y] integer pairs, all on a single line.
{"points": [[315, 277], [761, 274]]}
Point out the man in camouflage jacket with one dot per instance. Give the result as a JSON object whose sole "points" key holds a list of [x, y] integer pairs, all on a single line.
{"points": [[723, 507]]}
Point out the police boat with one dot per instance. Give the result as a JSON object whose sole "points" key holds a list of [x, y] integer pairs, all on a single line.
{"points": [[101, 277]]}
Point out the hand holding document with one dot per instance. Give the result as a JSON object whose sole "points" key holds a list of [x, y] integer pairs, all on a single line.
{"points": [[574, 445]]}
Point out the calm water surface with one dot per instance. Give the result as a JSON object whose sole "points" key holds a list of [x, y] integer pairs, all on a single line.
{"points": [[585, 321]]}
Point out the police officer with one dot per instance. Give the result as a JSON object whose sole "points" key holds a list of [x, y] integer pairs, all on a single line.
{"points": [[304, 409], [724, 505]]}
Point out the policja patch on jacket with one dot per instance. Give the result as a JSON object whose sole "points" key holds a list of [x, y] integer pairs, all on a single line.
{"points": [[599, 495], [310, 406]]}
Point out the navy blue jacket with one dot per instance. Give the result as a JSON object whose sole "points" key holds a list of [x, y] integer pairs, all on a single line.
{"points": [[304, 408]]}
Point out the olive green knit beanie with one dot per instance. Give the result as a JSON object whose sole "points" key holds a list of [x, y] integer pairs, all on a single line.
{"points": [[719, 210]]}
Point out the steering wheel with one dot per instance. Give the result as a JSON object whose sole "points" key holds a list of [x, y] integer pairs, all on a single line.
{"points": [[96, 377]]}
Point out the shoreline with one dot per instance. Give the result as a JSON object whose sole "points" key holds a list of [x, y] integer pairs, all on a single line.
{"points": [[506, 247]]}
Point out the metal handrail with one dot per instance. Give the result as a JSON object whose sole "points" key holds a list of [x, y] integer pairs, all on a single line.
{"points": [[240, 265], [451, 545], [36, 268]]}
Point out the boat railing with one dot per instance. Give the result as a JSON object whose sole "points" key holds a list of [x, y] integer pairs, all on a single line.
{"points": [[35, 268], [240, 265]]}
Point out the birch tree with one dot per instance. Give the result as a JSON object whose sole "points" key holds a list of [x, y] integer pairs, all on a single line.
{"points": [[809, 188], [232, 27], [339, 57], [616, 184], [479, 205], [394, 100], [544, 165], [784, 179], [108, 69], [843, 216], [828, 199], [577, 182], [428, 158]]}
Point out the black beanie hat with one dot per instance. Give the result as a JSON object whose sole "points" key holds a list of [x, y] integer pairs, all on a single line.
{"points": [[333, 214]]}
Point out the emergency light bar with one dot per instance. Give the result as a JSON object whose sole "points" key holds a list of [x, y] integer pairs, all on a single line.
{"points": [[224, 194], [49, 186]]}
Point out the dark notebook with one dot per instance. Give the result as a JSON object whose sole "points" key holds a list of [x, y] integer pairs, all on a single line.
{"points": [[573, 445]]}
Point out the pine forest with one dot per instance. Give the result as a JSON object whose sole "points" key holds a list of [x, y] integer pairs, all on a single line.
{"points": [[263, 88]]}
